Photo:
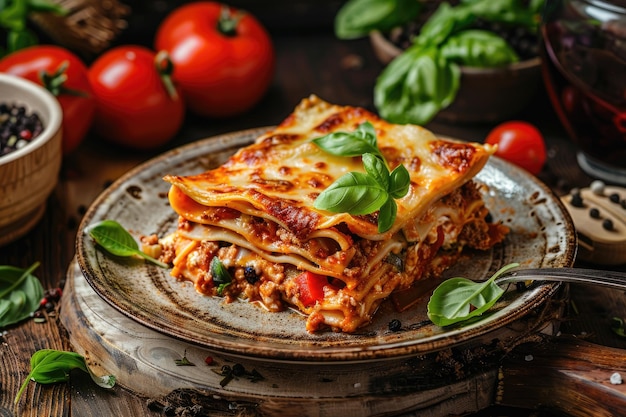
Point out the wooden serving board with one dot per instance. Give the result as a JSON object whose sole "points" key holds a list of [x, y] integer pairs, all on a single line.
{"points": [[454, 381]]}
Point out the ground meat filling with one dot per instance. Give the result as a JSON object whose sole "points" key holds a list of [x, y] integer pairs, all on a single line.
{"points": [[272, 284]]}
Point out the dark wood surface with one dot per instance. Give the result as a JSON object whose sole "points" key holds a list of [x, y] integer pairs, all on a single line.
{"points": [[310, 61]]}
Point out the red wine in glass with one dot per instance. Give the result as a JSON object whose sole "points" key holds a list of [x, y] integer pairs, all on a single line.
{"points": [[584, 69]]}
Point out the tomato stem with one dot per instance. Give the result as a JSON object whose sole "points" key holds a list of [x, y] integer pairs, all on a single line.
{"points": [[228, 22], [55, 82], [165, 68]]}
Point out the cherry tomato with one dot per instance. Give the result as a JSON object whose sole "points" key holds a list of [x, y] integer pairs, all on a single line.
{"points": [[520, 143], [135, 108], [223, 57], [65, 76]]}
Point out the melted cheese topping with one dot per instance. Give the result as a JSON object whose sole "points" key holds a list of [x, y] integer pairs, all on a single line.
{"points": [[280, 175]]}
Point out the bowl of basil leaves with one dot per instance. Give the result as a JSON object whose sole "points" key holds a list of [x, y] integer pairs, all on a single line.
{"points": [[473, 61]]}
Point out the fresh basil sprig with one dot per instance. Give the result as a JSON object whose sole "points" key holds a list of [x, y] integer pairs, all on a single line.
{"points": [[220, 275], [360, 193], [416, 85], [48, 366], [20, 293], [117, 241], [458, 299], [425, 78]]}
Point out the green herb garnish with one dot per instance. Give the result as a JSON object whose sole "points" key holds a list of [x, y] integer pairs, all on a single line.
{"points": [[116, 240], [360, 193], [183, 361], [48, 366], [20, 294], [458, 299], [220, 275]]}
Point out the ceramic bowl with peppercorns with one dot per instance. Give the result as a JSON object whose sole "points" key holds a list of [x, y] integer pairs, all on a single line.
{"points": [[485, 95], [30, 154], [456, 61]]}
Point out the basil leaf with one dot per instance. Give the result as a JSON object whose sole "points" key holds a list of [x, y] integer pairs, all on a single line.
{"points": [[458, 299], [512, 12], [356, 143], [445, 21], [20, 294], [399, 182], [220, 274], [387, 215], [354, 193], [376, 169], [448, 20], [49, 366], [117, 241], [356, 18], [416, 85], [478, 48]]}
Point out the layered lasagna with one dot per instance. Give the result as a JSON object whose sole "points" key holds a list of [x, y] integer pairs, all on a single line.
{"points": [[249, 229]]}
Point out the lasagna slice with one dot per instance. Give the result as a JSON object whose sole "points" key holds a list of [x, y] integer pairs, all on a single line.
{"points": [[249, 229]]}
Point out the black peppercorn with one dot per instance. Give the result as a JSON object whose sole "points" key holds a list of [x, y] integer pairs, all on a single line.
{"points": [[17, 127], [577, 200], [395, 325], [594, 213]]}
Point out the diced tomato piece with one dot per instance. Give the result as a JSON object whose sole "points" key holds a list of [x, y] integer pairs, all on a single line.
{"points": [[311, 287]]}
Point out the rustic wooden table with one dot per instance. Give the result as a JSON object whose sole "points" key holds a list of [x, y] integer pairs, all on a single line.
{"points": [[342, 72]]}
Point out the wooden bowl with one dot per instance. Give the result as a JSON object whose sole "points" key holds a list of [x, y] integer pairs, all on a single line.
{"points": [[485, 95], [28, 175]]}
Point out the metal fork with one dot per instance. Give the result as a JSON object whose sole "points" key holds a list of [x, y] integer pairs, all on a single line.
{"points": [[611, 279]]}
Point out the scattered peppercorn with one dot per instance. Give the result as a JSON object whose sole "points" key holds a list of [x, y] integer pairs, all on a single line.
{"points": [[594, 213], [607, 224], [614, 198], [18, 127], [48, 303], [395, 325], [577, 200]]}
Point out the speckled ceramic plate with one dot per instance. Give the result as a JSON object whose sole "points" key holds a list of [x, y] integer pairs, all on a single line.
{"points": [[542, 235]]}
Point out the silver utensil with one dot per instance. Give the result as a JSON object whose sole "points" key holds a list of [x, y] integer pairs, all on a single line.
{"points": [[611, 279]]}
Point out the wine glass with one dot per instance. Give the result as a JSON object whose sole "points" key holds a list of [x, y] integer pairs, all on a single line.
{"points": [[584, 69]]}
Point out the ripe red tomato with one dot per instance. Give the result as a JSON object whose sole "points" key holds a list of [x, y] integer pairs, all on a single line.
{"points": [[134, 107], [65, 76], [311, 287], [223, 58], [520, 143]]}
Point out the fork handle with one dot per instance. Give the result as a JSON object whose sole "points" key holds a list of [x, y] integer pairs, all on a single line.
{"points": [[610, 279]]}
